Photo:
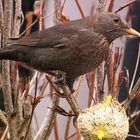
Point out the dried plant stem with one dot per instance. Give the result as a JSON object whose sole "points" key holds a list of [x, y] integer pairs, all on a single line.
{"points": [[5, 133], [100, 80], [101, 6], [62, 7], [134, 136], [58, 13], [8, 8], [27, 113], [3, 118], [31, 25], [100, 71], [78, 86], [71, 99], [56, 135], [135, 71], [72, 135], [14, 68], [80, 8], [46, 128], [33, 108], [132, 94], [109, 5], [91, 85], [41, 24], [31, 84], [126, 5], [44, 87], [1, 16], [67, 128]]}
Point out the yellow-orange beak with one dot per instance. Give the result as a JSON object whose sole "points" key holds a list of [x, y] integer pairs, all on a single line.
{"points": [[133, 32]]}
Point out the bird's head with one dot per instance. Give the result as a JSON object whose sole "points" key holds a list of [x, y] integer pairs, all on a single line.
{"points": [[112, 26]]}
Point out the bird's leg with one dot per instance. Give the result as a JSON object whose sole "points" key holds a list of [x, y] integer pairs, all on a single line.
{"points": [[58, 93], [63, 78], [60, 78]]}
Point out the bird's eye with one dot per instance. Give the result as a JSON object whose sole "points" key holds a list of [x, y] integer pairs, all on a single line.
{"points": [[116, 20]]}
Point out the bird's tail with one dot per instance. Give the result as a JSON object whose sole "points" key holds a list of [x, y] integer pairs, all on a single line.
{"points": [[7, 53], [12, 53]]}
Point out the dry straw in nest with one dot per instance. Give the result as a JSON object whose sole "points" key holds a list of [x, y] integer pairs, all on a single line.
{"points": [[104, 121]]}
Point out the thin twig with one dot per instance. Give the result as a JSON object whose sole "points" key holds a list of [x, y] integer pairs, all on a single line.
{"points": [[67, 128], [135, 114], [126, 5], [3, 118], [48, 122], [80, 8], [3, 137], [18, 15], [62, 7], [72, 135], [1, 16], [33, 108], [71, 99], [135, 71], [109, 5], [31, 84], [101, 6], [90, 77], [56, 130], [133, 136], [36, 121], [133, 93], [78, 86], [31, 24], [41, 23], [8, 18]]}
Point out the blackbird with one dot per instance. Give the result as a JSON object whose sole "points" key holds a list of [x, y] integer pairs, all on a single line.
{"points": [[75, 48]]}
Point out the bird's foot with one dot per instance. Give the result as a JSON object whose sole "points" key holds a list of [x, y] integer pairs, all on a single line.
{"points": [[60, 78]]}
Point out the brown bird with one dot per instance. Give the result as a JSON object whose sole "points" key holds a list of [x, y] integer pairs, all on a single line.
{"points": [[74, 48]]}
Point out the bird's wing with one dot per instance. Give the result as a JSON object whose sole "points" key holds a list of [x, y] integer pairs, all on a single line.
{"points": [[58, 36]]}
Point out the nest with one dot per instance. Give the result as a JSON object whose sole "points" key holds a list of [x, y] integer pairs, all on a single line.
{"points": [[104, 121]]}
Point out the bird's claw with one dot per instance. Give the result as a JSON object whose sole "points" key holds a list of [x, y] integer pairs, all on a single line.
{"points": [[60, 79]]}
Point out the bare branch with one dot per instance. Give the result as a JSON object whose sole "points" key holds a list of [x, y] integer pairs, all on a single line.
{"points": [[3, 118], [80, 8], [133, 93], [8, 8], [1, 16], [67, 128], [135, 71], [46, 128], [3, 137], [101, 6], [126, 5], [109, 5]]}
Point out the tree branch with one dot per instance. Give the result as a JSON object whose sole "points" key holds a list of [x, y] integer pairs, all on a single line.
{"points": [[126, 5], [133, 93], [46, 128], [8, 8], [101, 6]]}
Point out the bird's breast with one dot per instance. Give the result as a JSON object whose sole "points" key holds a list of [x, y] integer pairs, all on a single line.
{"points": [[94, 55]]}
